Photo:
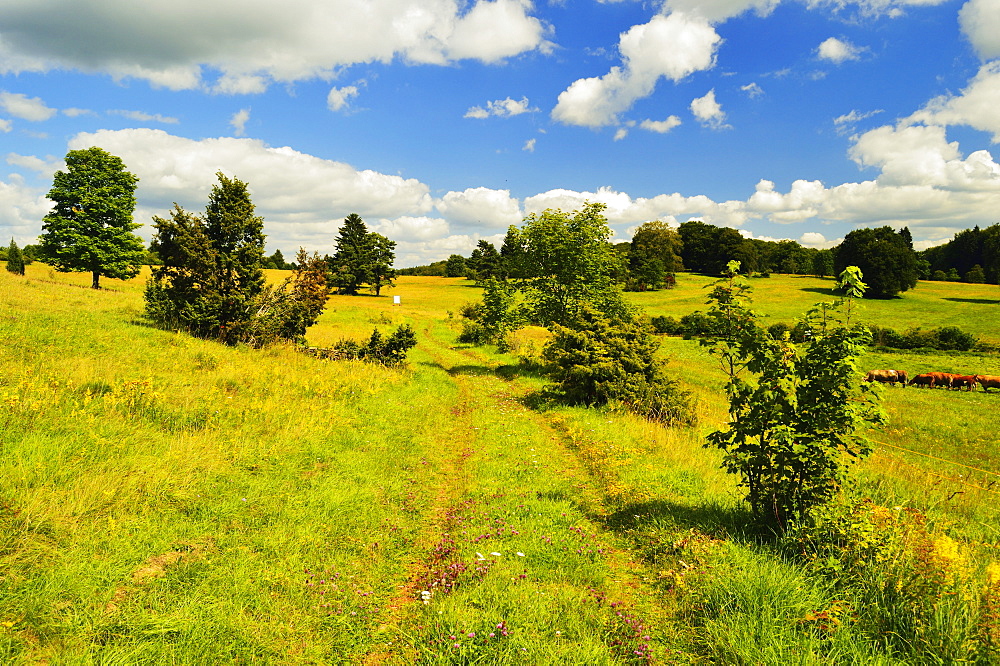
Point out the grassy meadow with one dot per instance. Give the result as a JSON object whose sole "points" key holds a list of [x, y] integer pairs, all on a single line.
{"points": [[165, 499]]}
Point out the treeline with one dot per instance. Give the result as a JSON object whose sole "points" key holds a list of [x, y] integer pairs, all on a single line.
{"points": [[971, 256], [653, 257]]}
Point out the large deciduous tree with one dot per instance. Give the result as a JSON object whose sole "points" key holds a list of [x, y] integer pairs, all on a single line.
{"points": [[90, 226], [568, 264], [884, 257], [654, 256]]}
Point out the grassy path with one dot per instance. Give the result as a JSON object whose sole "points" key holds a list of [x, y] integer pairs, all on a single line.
{"points": [[519, 568]]}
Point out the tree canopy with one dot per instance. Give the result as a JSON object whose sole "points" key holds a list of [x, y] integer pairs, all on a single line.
{"points": [[884, 257], [212, 268], [361, 258], [90, 225]]}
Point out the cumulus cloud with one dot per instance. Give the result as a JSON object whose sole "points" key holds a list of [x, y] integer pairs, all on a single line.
{"points": [[239, 121], [660, 126], [622, 209], [340, 97], [302, 197], [21, 209], [480, 207], [250, 43], [837, 51], [672, 46], [709, 112], [529, 145], [24, 107], [976, 106], [817, 240], [502, 108], [5, 125], [980, 22], [410, 229], [752, 90]]}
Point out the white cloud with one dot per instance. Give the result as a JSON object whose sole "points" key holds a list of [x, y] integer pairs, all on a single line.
{"points": [[477, 112], [480, 207], [719, 10], [709, 112], [75, 113], [976, 106], [502, 108], [5, 125], [529, 145], [302, 197], [410, 229], [672, 46], [44, 168], [254, 42], [24, 107], [21, 210], [623, 209], [845, 123], [980, 21], [340, 97], [752, 90], [239, 121], [837, 51], [817, 240], [144, 117], [660, 126]]}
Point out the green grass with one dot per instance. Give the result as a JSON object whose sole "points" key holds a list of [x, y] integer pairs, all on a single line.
{"points": [[784, 298], [165, 499]]}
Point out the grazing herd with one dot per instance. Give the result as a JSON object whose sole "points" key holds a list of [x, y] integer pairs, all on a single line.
{"points": [[935, 380]]}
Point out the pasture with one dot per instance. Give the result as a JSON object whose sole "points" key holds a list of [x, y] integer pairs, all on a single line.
{"points": [[170, 500]]}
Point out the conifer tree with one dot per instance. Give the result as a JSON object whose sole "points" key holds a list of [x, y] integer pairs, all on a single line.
{"points": [[15, 260], [350, 257]]}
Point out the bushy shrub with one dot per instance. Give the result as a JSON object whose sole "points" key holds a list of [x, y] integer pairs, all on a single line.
{"points": [[598, 361], [947, 338], [378, 349], [697, 324], [666, 326]]}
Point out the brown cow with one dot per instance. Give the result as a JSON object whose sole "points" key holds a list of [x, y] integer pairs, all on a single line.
{"points": [[968, 381], [887, 376], [926, 379], [988, 381], [941, 379]]}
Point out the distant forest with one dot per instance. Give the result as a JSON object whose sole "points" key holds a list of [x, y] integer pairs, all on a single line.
{"points": [[656, 252]]}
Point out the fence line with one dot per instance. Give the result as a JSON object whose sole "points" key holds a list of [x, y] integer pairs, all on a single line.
{"points": [[943, 476], [927, 455]]}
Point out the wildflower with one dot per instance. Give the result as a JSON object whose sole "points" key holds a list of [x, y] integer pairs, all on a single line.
{"points": [[520, 554], [993, 574], [497, 554]]}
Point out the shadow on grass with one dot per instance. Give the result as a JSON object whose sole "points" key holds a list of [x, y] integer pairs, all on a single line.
{"points": [[474, 370], [826, 291], [722, 521], [977, 301]]}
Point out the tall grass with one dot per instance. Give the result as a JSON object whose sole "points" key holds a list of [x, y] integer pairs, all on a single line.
{"points": [[167, 499]]}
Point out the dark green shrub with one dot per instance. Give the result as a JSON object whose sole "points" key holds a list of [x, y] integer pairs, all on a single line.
{"points": [[15, 259], [666, 326], [378, 349], [599, 361]]}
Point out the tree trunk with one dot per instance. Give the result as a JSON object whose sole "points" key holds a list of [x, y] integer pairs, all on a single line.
{"points": [[97, 280]]}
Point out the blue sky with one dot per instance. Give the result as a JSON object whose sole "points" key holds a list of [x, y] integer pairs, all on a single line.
{"points": [[441, 122]]}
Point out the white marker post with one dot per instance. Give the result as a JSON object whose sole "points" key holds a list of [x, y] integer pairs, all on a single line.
{"points": [[395, 300]]}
